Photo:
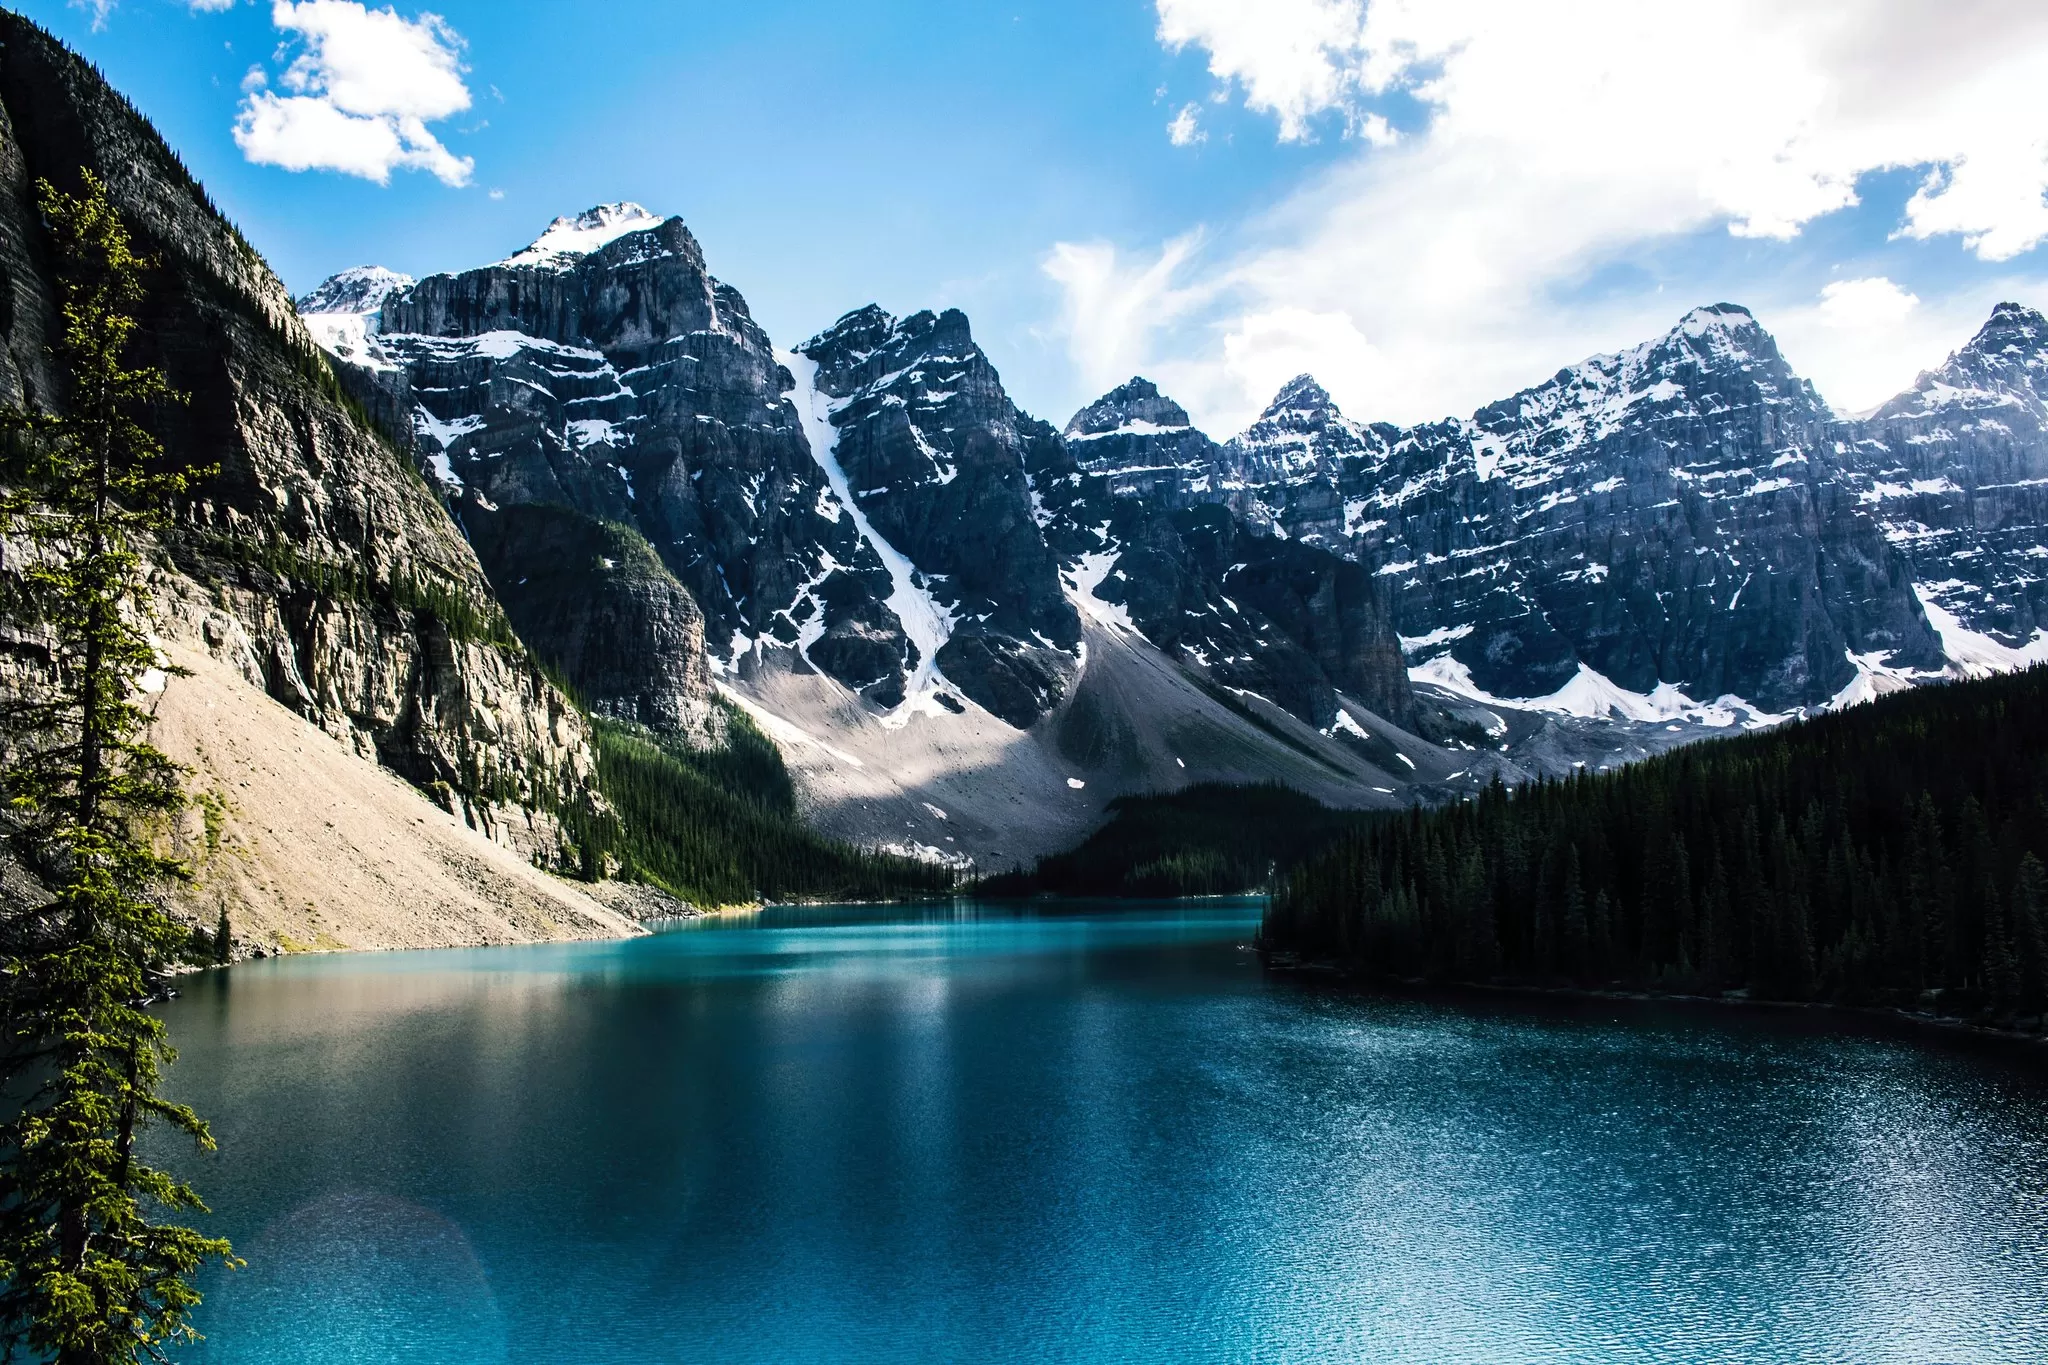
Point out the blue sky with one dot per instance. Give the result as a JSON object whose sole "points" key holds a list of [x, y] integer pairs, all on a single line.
{"points": [[1429, 205]]}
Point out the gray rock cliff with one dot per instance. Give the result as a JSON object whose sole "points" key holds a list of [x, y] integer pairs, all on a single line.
{"points": [[316, 561]]}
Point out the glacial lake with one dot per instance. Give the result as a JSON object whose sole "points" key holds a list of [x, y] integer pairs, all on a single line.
{"points": [[1092, 1133]]}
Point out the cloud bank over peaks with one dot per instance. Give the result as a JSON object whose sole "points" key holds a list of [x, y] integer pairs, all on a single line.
{"points": [[1544, 142], [360, 95]]}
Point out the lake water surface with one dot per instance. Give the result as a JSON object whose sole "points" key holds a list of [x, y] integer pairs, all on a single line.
{"points": [[1096, 1133]]}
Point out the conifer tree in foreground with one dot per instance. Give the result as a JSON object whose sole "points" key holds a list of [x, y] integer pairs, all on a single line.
{"points": [[91, 1268]]}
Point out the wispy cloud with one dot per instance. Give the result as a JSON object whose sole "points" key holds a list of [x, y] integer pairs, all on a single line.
{"points": [[98, 9], [360, 95], [1186, 128]]}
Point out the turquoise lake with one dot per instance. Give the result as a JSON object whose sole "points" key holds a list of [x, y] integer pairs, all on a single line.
{"points": [[1090, 1134]]}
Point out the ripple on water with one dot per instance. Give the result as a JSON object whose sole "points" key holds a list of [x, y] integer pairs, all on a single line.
{"points": [[1098, 1135]]}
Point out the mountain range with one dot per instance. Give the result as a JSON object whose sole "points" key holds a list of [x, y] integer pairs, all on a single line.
{"points": [[463, 522], [970, 630]]}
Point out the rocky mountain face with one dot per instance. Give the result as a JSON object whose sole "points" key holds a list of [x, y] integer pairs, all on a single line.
{"points": [[934, 454], [966, 639], [866, 505], [603, 371], [316, 562], [1144, 444], [1955, 474], [1681, 524]]}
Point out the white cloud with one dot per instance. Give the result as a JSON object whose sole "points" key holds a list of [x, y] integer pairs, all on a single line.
{"points": [[1265, 350], [210, 6], [98, 9], [1113, 306], [361, 94], [1293, 57], [1867, 303], [1186, 128], [1544, 140]]}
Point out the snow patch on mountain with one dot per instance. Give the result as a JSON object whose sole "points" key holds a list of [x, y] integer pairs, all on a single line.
{"points": [[342, 313], [1591, 695], [570, 238], [1088, 573], [1973, 653], [928, 623]]}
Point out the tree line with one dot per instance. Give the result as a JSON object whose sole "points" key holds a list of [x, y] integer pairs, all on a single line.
{"points": [[1207, 839], [719, 825], [1892, 854]]}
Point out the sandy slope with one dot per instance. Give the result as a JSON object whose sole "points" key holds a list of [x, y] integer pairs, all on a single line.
{"points": [[310, 846], [970, 785]]}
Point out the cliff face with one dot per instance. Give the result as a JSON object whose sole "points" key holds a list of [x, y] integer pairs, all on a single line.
{"points": [[617, 623], [1686, 515], [603, 370], [935, 455], [316, 562], [1954, 472]]}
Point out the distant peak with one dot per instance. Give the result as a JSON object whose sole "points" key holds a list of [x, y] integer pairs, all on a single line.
{"points": [[1716, 317], [1301, 393], [865, 329], [571, 237], [2010, 323], [1136, 405], [359, 289]]}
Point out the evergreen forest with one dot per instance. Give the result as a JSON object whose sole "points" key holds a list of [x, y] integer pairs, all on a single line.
{"points": [[1891, 854], [1210, 839], [719, 825]]}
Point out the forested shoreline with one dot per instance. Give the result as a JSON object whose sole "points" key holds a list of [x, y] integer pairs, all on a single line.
{"points": [[1889, 855], [1208, 839], [720, 825]]}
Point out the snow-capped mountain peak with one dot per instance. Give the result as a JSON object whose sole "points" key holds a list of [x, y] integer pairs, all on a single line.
{"points": [[343, 312], [1136, 406], [1716, 317], [572, 237], [2004, 365], [1304, 394], [359, 290], [1302, 430]]}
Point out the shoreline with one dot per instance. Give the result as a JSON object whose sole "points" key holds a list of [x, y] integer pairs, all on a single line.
{"points": [[1877, 1017]]}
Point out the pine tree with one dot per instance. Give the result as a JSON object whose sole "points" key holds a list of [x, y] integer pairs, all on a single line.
{"points": [[2030, 932], [223, 939], [2001, 965], [88, 1272]]}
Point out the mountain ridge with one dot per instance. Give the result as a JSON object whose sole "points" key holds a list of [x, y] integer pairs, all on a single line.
{"points": [[1653, 545]]}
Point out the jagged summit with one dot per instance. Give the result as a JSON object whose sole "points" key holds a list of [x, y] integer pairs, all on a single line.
{"points": [[571, 237], [2013, 337], [360, 290], [1302, 433], [2004, 365], [872, 328], [1135, 406], [1303, 393], [1715, 317]]}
